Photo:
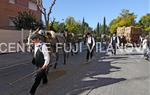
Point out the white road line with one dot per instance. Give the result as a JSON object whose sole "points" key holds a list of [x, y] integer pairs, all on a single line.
{"points": [[2, 68]]}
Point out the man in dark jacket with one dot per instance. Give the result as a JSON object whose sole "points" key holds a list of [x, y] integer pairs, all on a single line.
{"points": [[114, 42], [90, 42], [41, 60]]}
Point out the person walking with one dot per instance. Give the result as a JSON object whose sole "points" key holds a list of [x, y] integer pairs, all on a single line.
{"points": [[90, 42], [145, 47], [41, 60], [115, 43]]}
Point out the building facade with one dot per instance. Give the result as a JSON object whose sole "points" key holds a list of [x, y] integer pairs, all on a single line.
{"points": [[10, 9], [131, 33]]}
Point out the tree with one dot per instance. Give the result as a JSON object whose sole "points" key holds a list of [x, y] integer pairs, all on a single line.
{"points": [[62, 27], [145, 22], [86, 27], [25, 20], [70, 24], [83, 26], [44, 12], [78, 28], [104, 25], [126, 18], [126, 13], [73, 26], [55, 26], [98, 29], [114, 24]]}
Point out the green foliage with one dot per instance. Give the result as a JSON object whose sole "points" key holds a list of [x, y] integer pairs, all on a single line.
{"points": [[55, 26], [62, 27], [25, 20], [98, 29], [104, 25], [77, 27], [101, 29], [70, 24], [98, 32], [126, 18], [114, 24], [145, 22], [85, 27]]}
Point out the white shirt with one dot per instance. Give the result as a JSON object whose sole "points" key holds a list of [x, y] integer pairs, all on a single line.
{"points": [[145, 44], [114, 38], [44, 51], [90, 39]]}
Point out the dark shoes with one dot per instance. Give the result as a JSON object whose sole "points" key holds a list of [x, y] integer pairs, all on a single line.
{"points": [[45, 82], [31, 93]]}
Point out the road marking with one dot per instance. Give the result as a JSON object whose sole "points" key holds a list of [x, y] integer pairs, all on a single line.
{"points": [[10, 66]]}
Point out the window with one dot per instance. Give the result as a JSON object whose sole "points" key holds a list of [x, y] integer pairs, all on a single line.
{"points": [[12, 1], [10, 22], [32, 6]]}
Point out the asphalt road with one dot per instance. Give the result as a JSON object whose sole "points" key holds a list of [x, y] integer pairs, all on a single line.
{"points": [[123, 74]]}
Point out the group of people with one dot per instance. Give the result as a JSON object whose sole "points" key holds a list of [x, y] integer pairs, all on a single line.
{"points": [[41, 56], [116, 41]]}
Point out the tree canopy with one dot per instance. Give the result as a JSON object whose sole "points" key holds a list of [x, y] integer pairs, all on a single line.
{"points": [[77, 27], [145, 22], [126, 18], [70, 24], [25, 20]]}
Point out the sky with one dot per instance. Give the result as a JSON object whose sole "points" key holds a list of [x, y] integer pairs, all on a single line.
{"points": [[94, 10]]}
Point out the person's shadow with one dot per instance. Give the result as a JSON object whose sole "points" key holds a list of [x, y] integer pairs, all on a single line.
{"points": [[93, 78], [86, 77]]}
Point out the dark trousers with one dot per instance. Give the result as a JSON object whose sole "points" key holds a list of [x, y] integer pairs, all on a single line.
{"points": [[41, 75], [114, 48], [89, 53]]}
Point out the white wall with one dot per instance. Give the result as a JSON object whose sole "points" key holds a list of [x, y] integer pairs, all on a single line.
{"points": [[11, 36]]}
